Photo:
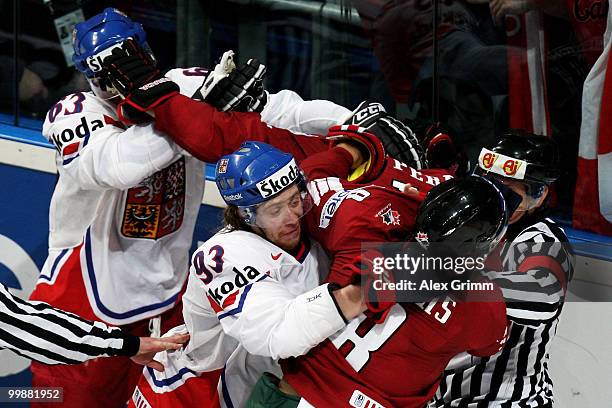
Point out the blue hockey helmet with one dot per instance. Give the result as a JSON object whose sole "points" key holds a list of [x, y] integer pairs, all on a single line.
{"points": [[101, 32], [256, 173]]}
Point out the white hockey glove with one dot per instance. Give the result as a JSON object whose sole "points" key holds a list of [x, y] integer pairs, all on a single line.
{"points": [[238, 89]]}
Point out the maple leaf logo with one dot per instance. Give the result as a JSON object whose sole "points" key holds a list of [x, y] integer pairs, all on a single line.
{"points": [[390, 217]]}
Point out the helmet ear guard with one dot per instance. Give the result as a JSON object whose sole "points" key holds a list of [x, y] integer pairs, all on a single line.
{"points": [[248, 215]]}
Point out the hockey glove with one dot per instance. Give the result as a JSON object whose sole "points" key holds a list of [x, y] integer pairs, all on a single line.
{"points": [[379, 299], [237, 89], [370, 146], [399, 140], [134, 74], [442, 152]]}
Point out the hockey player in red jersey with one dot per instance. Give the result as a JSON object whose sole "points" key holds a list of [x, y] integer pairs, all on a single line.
{"points": [[416, 340], [389, 215], [379, 191]]}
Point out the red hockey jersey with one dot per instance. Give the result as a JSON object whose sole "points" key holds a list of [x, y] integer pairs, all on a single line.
{"points": [[374, 212], [396, 363]]}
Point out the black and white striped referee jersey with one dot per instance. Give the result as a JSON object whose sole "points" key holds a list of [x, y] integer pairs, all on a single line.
{"points": [[40, 332], [537, 265]]}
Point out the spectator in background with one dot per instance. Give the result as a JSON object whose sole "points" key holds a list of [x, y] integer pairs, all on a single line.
{"points": [[42, 79], [593, 198], [43, 75], [30, 86], [472, 72]]}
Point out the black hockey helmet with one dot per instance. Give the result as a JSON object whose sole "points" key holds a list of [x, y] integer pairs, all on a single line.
{"points": [[469, 214], [523, 156]]}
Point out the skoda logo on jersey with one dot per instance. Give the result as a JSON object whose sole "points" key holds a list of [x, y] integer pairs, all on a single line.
{"points": [[279, 180], [222, 294], [80, 131]]}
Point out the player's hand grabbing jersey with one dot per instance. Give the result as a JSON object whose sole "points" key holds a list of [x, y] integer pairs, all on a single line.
{"points": [[397, 362]]}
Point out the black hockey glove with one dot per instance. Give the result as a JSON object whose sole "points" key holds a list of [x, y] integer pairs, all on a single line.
{"points": [[399, 140], [134, 75], [240, 90]]}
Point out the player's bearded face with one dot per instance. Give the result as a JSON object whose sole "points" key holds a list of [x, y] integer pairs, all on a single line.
{"points": [[279, 218]]}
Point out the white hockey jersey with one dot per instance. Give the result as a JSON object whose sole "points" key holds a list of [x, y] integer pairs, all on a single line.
{"points": [[248, 303], [126, 200]]}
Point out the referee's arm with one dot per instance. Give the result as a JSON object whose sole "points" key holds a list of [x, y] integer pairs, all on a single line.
{"points": [[538, 264], [40, 332]]}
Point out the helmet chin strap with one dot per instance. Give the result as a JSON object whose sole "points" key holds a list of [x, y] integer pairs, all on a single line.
{"points": [[108, 98], [248, 215], [102, 91]]}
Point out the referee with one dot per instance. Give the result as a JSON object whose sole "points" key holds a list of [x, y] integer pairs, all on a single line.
{"points": [[535, 264], [40, 332]]}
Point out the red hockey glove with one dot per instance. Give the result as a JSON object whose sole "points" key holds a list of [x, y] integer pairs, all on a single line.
{"points": [[369, 145], [442, 152], [367, 271]]}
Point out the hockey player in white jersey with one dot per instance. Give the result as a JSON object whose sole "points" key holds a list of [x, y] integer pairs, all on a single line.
{"points": [[122, 214], [253, 294], [121, 220]]}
